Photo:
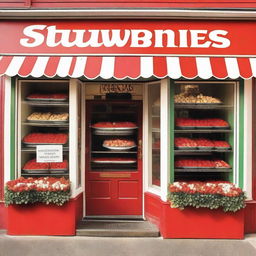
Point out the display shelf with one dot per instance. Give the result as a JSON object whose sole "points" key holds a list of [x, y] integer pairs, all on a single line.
{"points": [[203, 131], [46, 103], [199, 151], [114, 152], [44, 174], [203, 170], [202, 106], [46, 124], [33, 149]]}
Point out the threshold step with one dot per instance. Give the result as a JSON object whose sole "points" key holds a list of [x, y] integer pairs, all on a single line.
{"points": [[112, 228]]}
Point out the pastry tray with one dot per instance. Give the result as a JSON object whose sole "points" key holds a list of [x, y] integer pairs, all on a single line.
{"points": [[185, 148], [185, 127], [118, 148], [114, 161], [46, 99], [113, 132], [114, 128], [222, 148], [36, 171], [194, 167], [28, 144], [47, 121], [205, 147]]}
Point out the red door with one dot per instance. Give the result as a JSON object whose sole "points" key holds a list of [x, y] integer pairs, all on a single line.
{"points": [[113, 157]]}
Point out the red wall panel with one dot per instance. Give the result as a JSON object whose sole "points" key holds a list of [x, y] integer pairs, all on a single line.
{"points": [[1, 138]]}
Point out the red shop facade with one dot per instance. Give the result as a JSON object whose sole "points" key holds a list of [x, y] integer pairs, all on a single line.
{"points": [[134, 72]]}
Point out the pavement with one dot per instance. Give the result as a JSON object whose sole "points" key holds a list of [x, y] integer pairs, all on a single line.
{"points": [[113, 246]]}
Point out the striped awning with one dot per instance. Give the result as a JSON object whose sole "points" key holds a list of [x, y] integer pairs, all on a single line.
{"points": [[120, 67]]}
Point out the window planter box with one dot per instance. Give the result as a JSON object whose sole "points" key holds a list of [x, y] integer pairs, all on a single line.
{"points": [[42, 219], [201, 223]]}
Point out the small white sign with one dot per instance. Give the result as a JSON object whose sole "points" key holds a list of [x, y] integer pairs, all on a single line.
{"points": [[49, 153]]}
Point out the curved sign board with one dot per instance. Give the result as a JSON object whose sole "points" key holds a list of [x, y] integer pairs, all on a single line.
{"points": [[128, 37]]}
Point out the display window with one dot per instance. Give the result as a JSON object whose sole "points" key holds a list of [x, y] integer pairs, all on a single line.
{"points": [[205, 128]]}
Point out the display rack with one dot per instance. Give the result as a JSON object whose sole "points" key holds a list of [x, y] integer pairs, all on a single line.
{"points": [[114, 112], [25, 127], [224, 110]]}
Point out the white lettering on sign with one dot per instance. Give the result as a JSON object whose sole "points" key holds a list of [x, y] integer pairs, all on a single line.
{"points": [[49, 153], [36, 35], [116, 88]]}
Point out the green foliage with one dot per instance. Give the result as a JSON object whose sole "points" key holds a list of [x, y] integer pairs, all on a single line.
{"points": [[33, 196], [212, 201]]}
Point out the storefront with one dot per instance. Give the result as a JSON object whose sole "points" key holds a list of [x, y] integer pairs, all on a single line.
{"points": [[132, 106]]}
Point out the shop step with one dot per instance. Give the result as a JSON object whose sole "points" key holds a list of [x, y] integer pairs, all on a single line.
{"points": [[116, 228]]}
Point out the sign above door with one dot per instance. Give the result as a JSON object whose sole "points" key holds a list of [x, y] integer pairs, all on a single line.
{"points": [[128, 37]]}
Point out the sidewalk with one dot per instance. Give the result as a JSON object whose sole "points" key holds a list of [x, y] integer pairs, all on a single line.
{"points": [[99, 246]]}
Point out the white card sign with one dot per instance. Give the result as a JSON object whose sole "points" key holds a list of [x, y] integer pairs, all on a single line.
{"points": [[49, 153]]}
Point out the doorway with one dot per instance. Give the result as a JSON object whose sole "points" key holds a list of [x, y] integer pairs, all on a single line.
{"points": [[113, 175]]}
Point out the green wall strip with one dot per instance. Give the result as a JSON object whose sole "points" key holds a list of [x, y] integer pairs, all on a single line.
{"points": [[172, 117], [241, 135], [12, 131]]}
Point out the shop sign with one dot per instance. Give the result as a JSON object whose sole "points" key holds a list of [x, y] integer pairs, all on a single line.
{"points": [[128, 37], [116, 88], [49, 153]]}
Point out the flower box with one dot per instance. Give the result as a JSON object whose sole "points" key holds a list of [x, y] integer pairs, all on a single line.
{"points": [[203, 210], [201, 223], [40, 207]]}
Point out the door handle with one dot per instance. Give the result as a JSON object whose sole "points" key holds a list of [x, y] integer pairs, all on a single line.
{"points": [[140, 149]]}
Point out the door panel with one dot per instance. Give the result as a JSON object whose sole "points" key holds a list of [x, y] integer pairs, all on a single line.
{"points": [[113, 187]]}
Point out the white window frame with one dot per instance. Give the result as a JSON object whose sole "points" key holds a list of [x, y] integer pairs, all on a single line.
{"points": [[161, 191]]}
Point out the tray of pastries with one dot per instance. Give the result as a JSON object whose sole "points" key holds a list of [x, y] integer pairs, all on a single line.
{"points": [[119, 144], [200, 143], [207, 123], [33, 167], [201, 163], [48, 117], [114, 126], [191, 95], [34, 139], [47, 97]]}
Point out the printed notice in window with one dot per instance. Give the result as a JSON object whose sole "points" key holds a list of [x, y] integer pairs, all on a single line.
{"points": [[49, 153]]}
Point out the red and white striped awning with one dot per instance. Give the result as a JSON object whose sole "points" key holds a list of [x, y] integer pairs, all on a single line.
{"points": [[120, 67]]}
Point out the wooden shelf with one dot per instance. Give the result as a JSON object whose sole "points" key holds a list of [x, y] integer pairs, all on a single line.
{"points": [[203, 106], [203, 170]]}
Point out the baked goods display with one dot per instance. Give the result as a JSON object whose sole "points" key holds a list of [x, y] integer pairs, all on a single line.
{"points": [[182, 142], [47, 96], [48, 116], [45, 138], [221, 144], [191, 95], [203, 143], [201, 163], [200, 143], [32, 165], [119, 144], [201, 123]]}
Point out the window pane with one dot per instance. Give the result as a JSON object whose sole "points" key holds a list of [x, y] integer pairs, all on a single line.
{"points": [[154, 105]]}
